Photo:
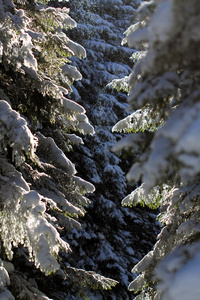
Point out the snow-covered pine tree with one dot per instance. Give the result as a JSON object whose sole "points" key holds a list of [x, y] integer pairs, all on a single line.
{"points": [[40, 194], [110, 240], [164, 94]]}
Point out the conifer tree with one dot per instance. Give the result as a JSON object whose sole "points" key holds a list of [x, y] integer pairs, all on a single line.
{"points": [[163, 98], [110, 240], [40, 192]]}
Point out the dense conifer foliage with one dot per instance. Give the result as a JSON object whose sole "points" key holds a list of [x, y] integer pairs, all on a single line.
{"points": [[163, 99], [112, 239], [49, 248], [41, 194]]}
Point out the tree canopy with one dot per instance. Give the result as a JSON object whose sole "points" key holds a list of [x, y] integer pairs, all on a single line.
{"points": [[43, 128], [164, 121], [41, 195]]}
